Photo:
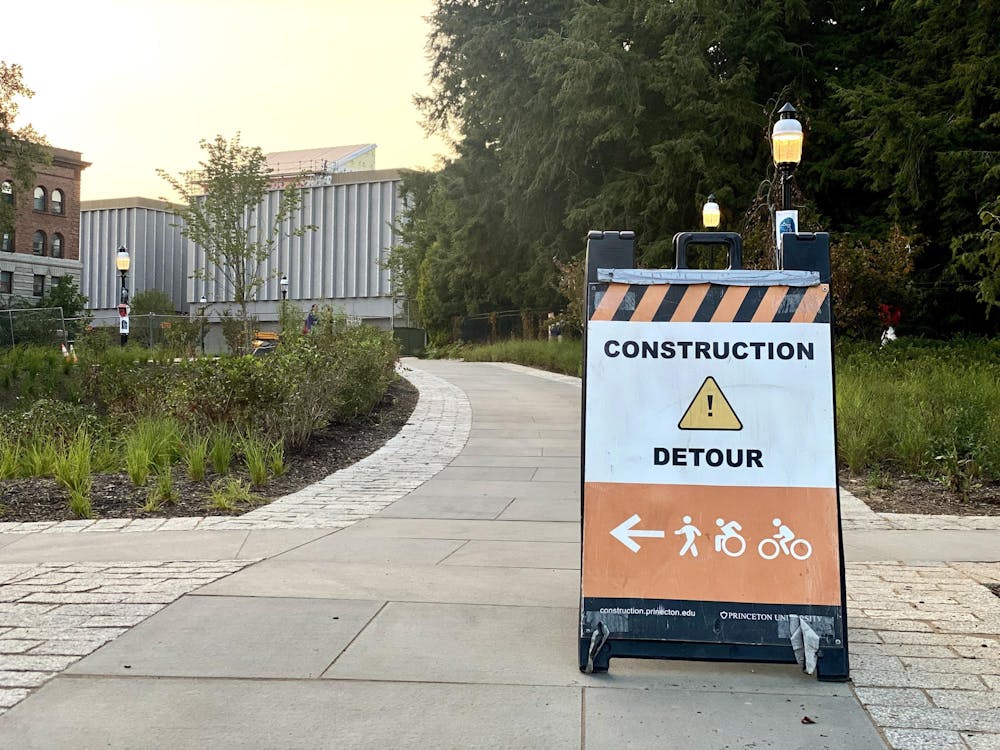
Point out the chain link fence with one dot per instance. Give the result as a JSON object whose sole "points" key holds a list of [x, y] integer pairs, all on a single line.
{"points": [[152, 330], [499, 326], [34, 325]]}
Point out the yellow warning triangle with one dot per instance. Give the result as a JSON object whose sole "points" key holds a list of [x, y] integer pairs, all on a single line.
{"points": [[710, 410]]}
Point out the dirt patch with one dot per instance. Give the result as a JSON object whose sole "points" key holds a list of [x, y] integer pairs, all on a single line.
{"points": [[902, 494], [114, 495]]}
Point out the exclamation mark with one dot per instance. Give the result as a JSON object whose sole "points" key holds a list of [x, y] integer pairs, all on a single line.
{"points": [[710, 405]]}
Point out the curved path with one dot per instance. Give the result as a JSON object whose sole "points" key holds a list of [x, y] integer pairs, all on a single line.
{"points": [[448, 618]]}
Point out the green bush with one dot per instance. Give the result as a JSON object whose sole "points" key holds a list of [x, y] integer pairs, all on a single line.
{"points": [[564, 357], [47, 418], [28, 373]]}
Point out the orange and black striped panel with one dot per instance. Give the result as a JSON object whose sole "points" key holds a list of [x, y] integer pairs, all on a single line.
{"points": [[711, 303]]}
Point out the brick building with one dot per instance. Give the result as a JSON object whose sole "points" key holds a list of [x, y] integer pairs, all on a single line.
{"points": [[45, 242]]}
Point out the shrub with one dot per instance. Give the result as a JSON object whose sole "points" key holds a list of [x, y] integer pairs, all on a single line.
{"points": [[47, 418], [28, 373]]}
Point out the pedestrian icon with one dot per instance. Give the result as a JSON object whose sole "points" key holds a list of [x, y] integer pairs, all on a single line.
{"points": [[710, 410], [689, 532]]}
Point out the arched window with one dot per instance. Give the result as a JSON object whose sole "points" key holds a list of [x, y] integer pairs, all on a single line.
{"points": [[57, 246], [57, 201], [7, 242], [39, 198], [38, 244], [7, 192]]}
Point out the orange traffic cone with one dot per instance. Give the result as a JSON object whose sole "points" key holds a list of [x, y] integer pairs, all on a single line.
{"points": [[65, 352], [72, 353]]}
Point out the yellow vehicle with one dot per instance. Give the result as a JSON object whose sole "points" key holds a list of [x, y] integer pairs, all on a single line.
{"points": [[264, 342]]}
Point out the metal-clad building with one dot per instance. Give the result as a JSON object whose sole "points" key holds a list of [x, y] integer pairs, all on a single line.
{"points": [[152, 234], [340, 263]]}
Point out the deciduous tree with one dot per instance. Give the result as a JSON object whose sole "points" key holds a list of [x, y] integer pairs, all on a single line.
{"points": [[222, 215]]}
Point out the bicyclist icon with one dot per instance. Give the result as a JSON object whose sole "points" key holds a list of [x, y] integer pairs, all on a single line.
{"points": [[784, 541], [729, 533]]}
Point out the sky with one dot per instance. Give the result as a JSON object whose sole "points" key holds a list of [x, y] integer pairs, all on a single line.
{"points": [[136, 84]]}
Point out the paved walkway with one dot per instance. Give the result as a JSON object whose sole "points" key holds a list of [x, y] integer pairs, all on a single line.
{"points": [[447, 618]]}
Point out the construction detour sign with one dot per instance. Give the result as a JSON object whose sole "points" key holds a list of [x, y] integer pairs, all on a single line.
{"points": [[710, 512]]}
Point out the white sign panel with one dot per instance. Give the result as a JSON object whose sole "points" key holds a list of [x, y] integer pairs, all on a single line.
{"points": [[724, 404], [123, 326]]}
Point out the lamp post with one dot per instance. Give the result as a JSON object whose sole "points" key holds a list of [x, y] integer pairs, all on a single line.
{"points": [[786, 149], [201, 314], [284, 287], [122, 263], [711, 216]]}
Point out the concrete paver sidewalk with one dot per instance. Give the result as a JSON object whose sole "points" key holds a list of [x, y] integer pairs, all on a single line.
{"points": [[449, 619]]}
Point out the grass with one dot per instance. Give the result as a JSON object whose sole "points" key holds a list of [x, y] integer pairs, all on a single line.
{"points": [[276, 459], [38, 459], [194, 454], [10, 454], [556, 356], [152, 444], [73, 470], [230, 493], [255, 455], [221, 449], [161, 493]]}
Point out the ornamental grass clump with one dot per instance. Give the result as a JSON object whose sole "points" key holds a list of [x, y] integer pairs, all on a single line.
{"points": [[161, 493], [230, 494], [72, 469], [194, 454], [10, 454], [255, 456], [38, 459], [220, 450]]}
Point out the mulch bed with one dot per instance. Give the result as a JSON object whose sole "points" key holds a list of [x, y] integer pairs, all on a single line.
{"points": [[114, 495], [903, 494]]}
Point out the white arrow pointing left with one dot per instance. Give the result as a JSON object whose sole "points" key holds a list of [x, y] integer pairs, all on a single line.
{"points": [[624, 533]]}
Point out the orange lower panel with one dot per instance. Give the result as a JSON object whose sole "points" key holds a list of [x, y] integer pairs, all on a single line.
{"points": [[663, 568]]}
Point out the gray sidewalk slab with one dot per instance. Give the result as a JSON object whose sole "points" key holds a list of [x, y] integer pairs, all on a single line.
{"points": [[412, 583], [448, 505], [118, 546], [539, 509], [914, 546], [206, 636], [355, 548], [416, 528], [222, 714]]}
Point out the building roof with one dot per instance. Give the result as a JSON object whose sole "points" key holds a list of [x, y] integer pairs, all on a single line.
{"points": [[313, 160], [133, 202]]}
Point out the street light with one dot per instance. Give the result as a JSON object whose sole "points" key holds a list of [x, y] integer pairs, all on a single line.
{"points": [[201, 314], [786, 149], [122, 263], [711, 216], [284, 287]]}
